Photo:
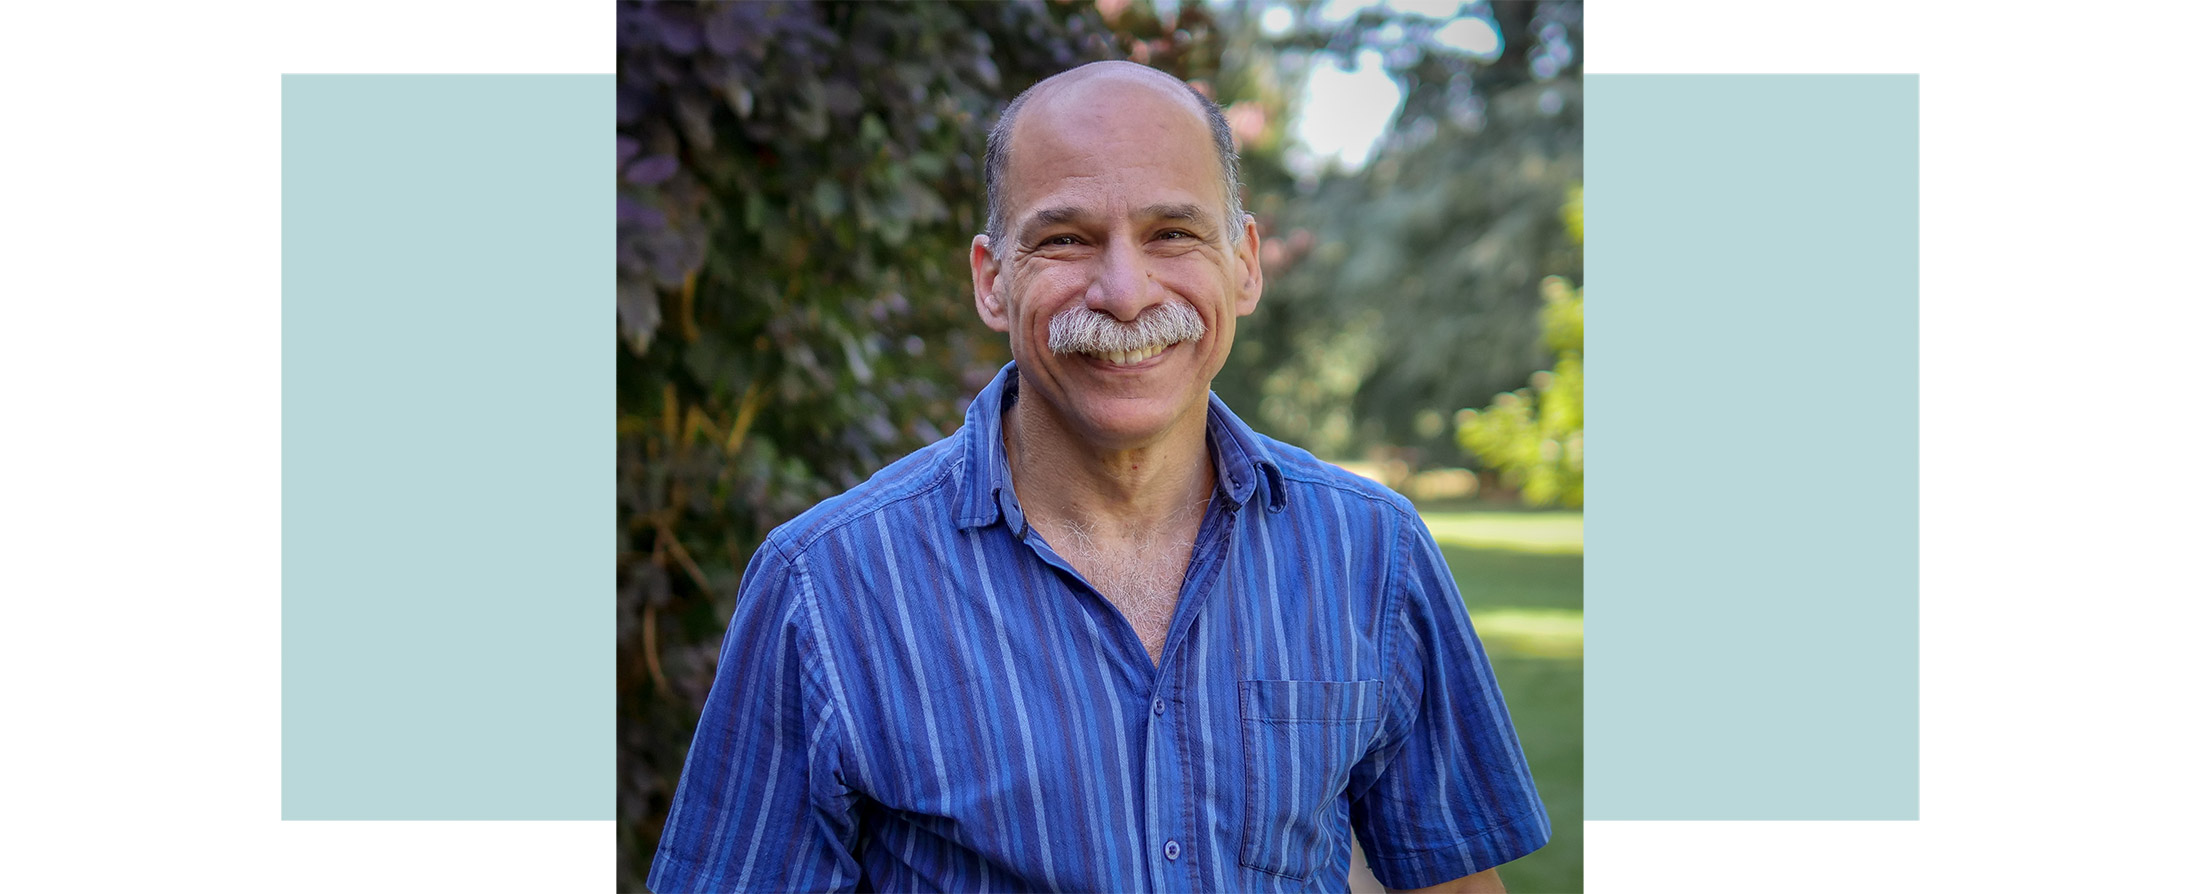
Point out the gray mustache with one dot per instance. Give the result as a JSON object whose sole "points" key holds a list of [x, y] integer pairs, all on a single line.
{"points": [[1082, 330]]}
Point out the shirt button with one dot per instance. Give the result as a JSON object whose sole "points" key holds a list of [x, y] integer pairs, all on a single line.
{"points": [[1170, 850], [1157, 707]]}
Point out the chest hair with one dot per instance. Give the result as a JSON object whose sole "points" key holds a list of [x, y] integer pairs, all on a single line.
{"points": [[1141, 574]]}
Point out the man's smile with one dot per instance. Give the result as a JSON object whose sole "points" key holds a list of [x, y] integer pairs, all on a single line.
{"points": [[1130, 359]]}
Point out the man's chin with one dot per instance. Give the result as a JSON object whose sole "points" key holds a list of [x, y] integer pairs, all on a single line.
{"points": [[1129, 424]]}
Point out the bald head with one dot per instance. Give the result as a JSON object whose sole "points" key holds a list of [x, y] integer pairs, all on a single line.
{"points": [[1094, 82]]}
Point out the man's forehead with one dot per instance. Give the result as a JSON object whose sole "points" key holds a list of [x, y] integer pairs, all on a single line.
{"points": [[1103, 103]]}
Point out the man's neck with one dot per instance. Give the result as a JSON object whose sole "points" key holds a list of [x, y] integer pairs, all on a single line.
{"points": [[1114, 493]]}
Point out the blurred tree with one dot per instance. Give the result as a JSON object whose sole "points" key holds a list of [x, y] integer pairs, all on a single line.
{"points": [[1532, 435], [1409, 288]]}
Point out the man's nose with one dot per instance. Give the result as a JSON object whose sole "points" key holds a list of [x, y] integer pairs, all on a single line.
{"points": [[1124, 286]]}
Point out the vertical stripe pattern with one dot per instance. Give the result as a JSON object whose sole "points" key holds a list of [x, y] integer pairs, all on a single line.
{"points": [[912, 696]]}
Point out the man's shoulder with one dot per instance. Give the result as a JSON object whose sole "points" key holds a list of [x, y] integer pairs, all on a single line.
{"points": [[1320, 479], [917, 484]]}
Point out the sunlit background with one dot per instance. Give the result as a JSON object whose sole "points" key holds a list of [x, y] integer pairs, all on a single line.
{"points": [[797, 188]]}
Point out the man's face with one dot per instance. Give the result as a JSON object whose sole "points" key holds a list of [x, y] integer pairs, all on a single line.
{"points": [[1113, 201]]}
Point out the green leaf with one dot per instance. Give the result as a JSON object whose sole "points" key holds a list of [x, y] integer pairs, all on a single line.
{"points": [[828, 198]]}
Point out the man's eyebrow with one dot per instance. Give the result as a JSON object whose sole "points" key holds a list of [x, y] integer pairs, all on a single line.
{"points": [[1188, 212], [1184, 211], [1048, 217]]}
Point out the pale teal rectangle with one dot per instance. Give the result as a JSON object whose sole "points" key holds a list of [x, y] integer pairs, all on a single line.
{"points": [[1752, 543], [448, 539]]}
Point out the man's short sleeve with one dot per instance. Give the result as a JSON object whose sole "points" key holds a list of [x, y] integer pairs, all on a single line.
{"points": [[762, 805], [1445, 792]]}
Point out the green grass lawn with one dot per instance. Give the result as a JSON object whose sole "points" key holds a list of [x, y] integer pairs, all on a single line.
{"points": [[1520, 573]]}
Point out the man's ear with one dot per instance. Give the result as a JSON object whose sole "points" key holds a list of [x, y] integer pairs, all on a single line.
{"points": [[1247, 255], [985, 279]]}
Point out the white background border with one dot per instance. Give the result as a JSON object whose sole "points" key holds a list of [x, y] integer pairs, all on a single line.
{"points": [[140, 496]]}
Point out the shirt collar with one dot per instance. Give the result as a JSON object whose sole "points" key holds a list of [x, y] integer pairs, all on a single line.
{"points": [[1242, 462]]}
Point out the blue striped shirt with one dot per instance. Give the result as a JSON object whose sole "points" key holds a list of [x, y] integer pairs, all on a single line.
{"points": [[917, 693]]}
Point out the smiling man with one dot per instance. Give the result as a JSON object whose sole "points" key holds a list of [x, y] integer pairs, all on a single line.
{"points": [[1105, 637]]}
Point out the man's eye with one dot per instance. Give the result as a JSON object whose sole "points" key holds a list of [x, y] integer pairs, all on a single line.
{"points": [[1059, 240], [1173, 234]]}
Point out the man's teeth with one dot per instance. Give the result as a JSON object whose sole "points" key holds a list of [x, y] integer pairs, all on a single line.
{"points": [[1126, 358]]}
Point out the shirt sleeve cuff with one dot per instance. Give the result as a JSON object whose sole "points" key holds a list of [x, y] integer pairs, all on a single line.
{"points": [[1429, 866]]}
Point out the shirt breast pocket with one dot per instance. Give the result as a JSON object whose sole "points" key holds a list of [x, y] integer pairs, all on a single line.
{"points": [[1302, 738]]}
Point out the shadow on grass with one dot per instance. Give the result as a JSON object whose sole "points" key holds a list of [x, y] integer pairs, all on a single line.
{"points": [[1495, 578]]}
